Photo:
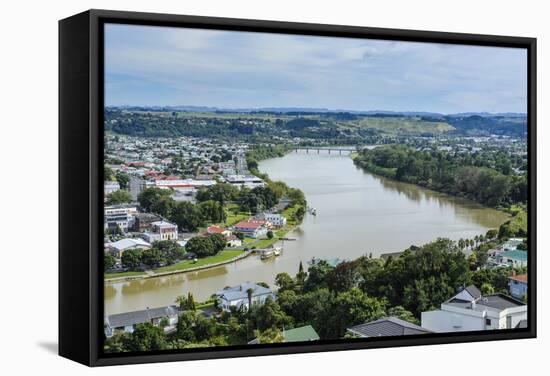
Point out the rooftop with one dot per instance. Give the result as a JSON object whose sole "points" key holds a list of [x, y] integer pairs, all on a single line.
{"points": [[517, 255], [240, 291], [390, 326], [139, 317], [128, 243], [519, 278], [304, 333]]}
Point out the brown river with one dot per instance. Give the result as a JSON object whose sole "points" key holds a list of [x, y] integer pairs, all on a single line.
{"points": [[357, 213]]}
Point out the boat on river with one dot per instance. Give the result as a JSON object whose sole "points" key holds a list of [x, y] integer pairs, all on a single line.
{"points": [[271, 252]]}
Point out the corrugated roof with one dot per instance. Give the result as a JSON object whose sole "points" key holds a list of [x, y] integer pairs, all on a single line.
{"points": [[304, 333], [139, 317], [390, 326]]}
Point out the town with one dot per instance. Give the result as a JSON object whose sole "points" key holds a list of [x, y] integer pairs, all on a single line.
{"points": [[175, 205]]}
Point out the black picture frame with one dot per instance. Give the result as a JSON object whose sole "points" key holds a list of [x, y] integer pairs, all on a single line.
{"points": [[81, 194]]}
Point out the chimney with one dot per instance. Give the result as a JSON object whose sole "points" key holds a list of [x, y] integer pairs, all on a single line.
{"points": [[513, 273], [473, 304]]}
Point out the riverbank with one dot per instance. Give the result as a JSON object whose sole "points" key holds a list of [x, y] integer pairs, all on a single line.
{"points": [[224, 257]]}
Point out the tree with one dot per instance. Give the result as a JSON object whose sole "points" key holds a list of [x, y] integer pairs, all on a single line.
{"points": [[270, 335], [131, 258], [350, 308], [163, 206], [487, 289], [317, 275], [107, 173], [149, 196], [119, 197], [146, 337], [152, 256], [171, 250], [108, 261], [403, 314], [200, 246], [491, 234], [218, 242], [212, 211], [187, 216], [343, 277], [299, 214], [123, 179], [239, 235], [284, 281], [270, 234]]}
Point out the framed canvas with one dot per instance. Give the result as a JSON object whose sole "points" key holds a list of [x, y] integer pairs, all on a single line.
{"points": [[234, 187]]}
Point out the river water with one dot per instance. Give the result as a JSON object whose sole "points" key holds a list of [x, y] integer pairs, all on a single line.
{"points": [[357, 213]]}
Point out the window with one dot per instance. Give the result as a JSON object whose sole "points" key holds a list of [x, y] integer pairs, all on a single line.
{"points": [[488, 322]]}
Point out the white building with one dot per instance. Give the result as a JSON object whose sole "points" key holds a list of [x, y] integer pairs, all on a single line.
{"points": [[120, 216], [469, 311], [276, 220], [248, 181], [162, 230], [110, 187], [237, 297], [117, 248]]}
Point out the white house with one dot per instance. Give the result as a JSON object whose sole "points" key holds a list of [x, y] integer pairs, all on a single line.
{"points": [[469, 310], [275, 219], [117, 248], [253, 229], [237, 297], [161, 230], [248, 181], [518, 285], [126, 322]]}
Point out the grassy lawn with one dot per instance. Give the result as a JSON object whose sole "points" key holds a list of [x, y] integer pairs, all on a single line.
{"points": [[224, 255], [248, 240], [264, 243], [289, 214], [519, 221], [122, 274]]}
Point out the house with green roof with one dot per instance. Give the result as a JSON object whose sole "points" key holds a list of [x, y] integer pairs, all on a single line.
{"points": [[515, 258], [301, 334]]}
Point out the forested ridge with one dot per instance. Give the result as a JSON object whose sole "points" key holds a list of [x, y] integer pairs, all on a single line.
{"points": [[487, 178]]}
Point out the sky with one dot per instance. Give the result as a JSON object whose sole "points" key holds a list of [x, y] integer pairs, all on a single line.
{"points": [[168, 66]]}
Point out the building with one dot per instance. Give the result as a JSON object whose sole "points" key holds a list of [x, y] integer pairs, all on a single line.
{"points": [[110, 187], [469, 310], [237, 297], [252, 229], [276, 220], [117, 248], [161, 230], [301, 334], [514, 259], [512, 244], [248, 181], [386, 327], [233, 241], [218, 230], [120, 216], [143, 221], [518, 286], [126, 322]]}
